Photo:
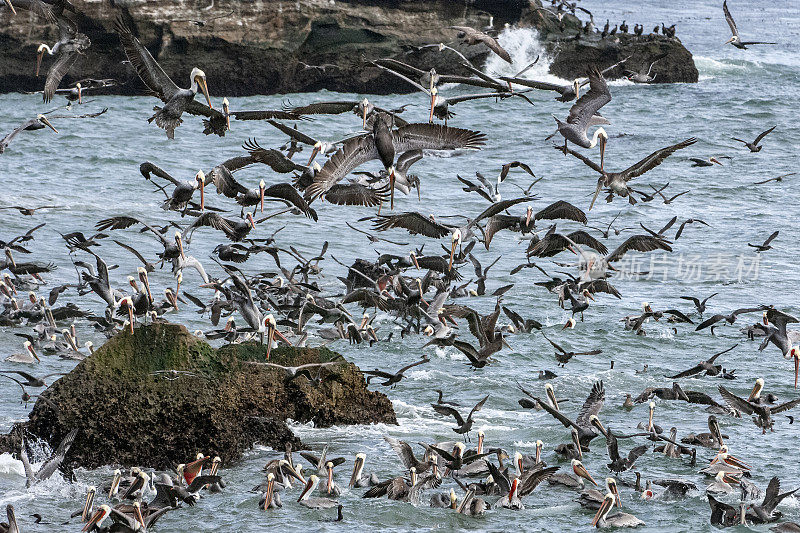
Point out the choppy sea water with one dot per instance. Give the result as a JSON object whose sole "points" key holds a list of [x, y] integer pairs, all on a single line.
{"points": [[91, 169]]}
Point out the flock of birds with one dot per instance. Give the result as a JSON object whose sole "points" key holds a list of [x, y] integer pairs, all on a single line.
{"points": [[418, 290]]}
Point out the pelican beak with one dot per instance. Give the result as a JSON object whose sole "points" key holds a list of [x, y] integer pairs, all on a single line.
{"points": [[513, 489], [114, 484], [10, 257], [452, 252], [615, 492], [364, 118], [39, 55], [605, 507], [602, 140], [715, 160], [129, 304], [137, 511], [88, 505], [391, 187], [729, 479], [309, 485], [520, 467], [754, 392], [202, 193], [80, 94], [577, 86], [314, 153], [98, 516], [581, 471], [47, 123], [33, 353], [414, 260], [226, 110], [796, 367], [729, 40], [733, 461], [270, 491], [358, 465], [270, 336], [201, 82], [528, 217], [433, 103], [252, 222], [552, 396], [178, 282], [576, 441], [330, 478], [179, 242], [262, 190], [480, 442], [11, 6], [146, 282]]}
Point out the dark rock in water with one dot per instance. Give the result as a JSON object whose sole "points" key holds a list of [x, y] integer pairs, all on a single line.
{"points": [[274, 46], [131, 413]]}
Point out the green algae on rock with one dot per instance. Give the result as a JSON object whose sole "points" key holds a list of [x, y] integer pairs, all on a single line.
{"points": [[130, 412]]}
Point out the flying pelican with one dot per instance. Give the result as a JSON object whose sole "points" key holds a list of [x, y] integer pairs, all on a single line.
{"points": [[755, 146], [574, 129], [472, 36], [71, 43], [762, 411], [601, 519], [176, 100], [617, 182], [736, 40], [29, 125]]}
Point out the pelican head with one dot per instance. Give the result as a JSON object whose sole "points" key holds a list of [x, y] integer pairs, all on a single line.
{"points": [[528, 216], [358, 468], [98, 518], [199, 81], [270, 490], [455, 240], [365, 105], [715, 160], [29, 348], [587, 294], [434, 98], [39, 54], [43, 120], [611, 486], [329, 468], [605, 508], [179, 244], [250, 219], [570, 324], [576, 86], [453, 499], [581, 471], [200, 180], [551, 395], [270, 324], [428, 330], [90, 347], [518, 463], [594, 421], [481, 436], [755, 394], [539, 446], [601, 137]]}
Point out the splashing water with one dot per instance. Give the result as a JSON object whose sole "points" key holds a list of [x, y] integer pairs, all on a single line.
{"points": [[524, 46]]}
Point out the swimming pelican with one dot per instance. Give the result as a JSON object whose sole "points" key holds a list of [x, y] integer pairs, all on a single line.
{"points": [[601, 519]]}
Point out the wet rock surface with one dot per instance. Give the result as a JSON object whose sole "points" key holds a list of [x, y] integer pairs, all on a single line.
{"points": [[270, 47], [129, 412]]}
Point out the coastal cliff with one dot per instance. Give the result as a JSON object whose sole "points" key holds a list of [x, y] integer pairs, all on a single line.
{"points": [[161, 395], [270, 46]]}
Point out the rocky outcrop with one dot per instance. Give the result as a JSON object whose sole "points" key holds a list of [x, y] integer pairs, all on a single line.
{"points": [[210, 400], [272, 46]]}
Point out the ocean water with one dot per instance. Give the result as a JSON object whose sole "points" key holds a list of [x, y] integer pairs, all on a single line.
{"points": [[91, 169]]}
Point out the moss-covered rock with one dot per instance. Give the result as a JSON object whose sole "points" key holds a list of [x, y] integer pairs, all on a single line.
{"points": [[131, 412]]}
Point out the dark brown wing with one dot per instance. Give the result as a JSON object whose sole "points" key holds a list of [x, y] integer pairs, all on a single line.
{"points": [[285, 191], [272, 158], [561, 210], [785, 406], [586, 161], [653, 160], [356, 194], [265, 114], [729, 19], [592, 405], [639, 243], [323, 108], [412, 221], [57, 72], [294, 134], [740, 404], [448, 411], [497, 223], [436, 137], [763, 134], [149, 71], [515, 164], [532, 478], [226, 184], [354, 152], [587, 105]]}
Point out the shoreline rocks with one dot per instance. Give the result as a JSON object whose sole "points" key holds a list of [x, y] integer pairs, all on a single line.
{"points": [[161, 395], [274, 47]]}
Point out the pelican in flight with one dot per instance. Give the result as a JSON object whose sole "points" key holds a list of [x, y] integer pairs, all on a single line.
{"points": [[29, 125], [176, 100], [581, 113], [736, 40], [71, 43]]}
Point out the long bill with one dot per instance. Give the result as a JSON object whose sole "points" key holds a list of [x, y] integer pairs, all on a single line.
{"points": [[605, 507], [201, 82], [358, 466], [11, 6], [47, 123]]}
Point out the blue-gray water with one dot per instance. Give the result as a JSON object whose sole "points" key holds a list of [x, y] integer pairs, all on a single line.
{"points": [[91, 168]]}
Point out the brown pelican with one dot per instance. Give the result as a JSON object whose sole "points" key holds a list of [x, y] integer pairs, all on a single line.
{"points": [[755, 146], [176, 100], [706, 366], [765, 512], [777, 334], [601, 519], [699, 162], [722, 484], [406, 455], [729, 318], [525, 224], [574, 129], [471, 36], [699, 304], [184, 189], [618, 463], [51, 465], [617, 182], [71, 43], [29, 125], [762, 412], [10, 526], [29, 356], [766, 245], [464, 426], [563, 356], [725, 462], [726, 515], [593, 498], [382, 144], [358, 479], [587, 424], [735, 40], [271, 498]]}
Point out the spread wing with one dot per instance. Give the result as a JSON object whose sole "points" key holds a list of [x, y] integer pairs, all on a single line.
{"points": [[54, 461], [448, 411], [729, 19], [786, 406], [149, 71], [294, 134], [763, 134], [285, 191], [587, 105], [497, 223], [592, 405], [353, 153], [412, 221], [356, 194], [735, 402], [323, 108], [532, 479], [271, 157], [656, 158], [561, 210], [57, 72], [225, 182], [639, 243]]}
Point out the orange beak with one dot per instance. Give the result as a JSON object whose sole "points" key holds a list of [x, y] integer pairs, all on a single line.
{"points": [[202, 194], [262, 190], [602, 152], [252, 222], [433, 103], [314, 153], [80, 95], [33, 353], [204, 87], [528, 217], [130, 314], [39, 62]]}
